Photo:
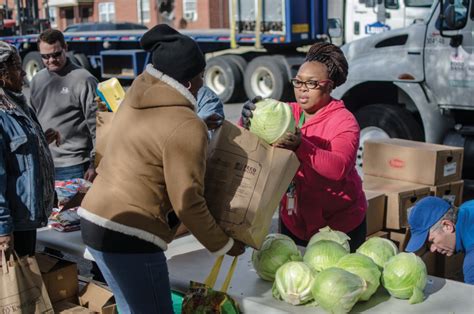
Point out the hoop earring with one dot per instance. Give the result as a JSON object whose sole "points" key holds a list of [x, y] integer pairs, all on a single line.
{"points": [[189, 85]]}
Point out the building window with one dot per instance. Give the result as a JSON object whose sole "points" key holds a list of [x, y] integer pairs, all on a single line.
{"points": [[190, 10], [143, 10], [86, 14], [106, 12], [52, 17]]}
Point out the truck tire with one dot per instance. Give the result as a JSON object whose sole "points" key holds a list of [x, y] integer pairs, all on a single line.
{"points": [[380, 121], [32, 64], [224, 78], [82, 61], [239, 61], [266, 77]]}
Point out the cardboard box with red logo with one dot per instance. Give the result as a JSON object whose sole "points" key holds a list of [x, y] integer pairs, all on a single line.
{"points": [[424, 163]]}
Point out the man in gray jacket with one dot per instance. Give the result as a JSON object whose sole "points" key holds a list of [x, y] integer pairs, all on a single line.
{"points": [[62, 96]]}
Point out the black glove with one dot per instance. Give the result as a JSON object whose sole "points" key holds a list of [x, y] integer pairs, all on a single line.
{"points": [[247, 109]]}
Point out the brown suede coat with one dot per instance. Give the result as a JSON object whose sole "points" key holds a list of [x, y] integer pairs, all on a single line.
{"points": [[153, 168]]}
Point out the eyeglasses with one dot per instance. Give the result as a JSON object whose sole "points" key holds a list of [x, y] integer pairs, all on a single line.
{"points": [[53, 55], [311, 84]]}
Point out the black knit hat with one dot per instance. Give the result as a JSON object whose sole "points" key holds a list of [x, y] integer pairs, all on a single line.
{"points": [[173, 53]]}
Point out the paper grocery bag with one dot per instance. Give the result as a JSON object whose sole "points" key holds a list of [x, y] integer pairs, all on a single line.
{"points": [[22, 289], [245, 180]]}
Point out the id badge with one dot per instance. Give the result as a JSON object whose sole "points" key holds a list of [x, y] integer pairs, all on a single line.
{"points": [[290, 205], [291, 199]]}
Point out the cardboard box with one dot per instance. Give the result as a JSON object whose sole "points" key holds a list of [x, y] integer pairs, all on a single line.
{"points": [[245, 180], [67, 307], [401, 195], [419, 162], [375, 214], [380, 234], [98, 298], [451, 192], [400, 238], [59, 276]]}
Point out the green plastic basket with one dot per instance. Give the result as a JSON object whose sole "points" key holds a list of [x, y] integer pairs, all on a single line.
{"points": [[177, 301]]}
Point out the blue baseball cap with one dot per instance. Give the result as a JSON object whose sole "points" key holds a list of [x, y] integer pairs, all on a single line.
{"points": [[424, 215]]}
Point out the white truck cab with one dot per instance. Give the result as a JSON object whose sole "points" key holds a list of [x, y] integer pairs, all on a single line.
{"points": [[417, 82], [369, 17]]}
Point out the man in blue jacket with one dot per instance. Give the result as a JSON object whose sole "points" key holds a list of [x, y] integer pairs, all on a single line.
{"points": [[445, 228]]}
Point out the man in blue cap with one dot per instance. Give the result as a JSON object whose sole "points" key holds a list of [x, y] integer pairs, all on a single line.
{"points": [[445, 228]]}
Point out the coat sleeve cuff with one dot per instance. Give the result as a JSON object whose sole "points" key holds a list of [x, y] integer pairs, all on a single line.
{"points": [[224, 249]]}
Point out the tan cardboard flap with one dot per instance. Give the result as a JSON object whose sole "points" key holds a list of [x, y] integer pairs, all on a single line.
{"points": [[96, 297], [401, 195], [245, 180], [46, 262], [375, 214], [419, 162], [380, 234], [66, 307]]}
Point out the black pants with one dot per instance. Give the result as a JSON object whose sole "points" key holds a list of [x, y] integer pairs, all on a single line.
{"points": [[24, 242], [357, 235]]}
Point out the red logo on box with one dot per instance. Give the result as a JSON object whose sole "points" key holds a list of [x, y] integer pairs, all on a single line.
{"points": [[396, 163]]}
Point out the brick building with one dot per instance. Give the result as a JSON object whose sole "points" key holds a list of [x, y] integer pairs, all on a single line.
{"points": [[189, 14]]}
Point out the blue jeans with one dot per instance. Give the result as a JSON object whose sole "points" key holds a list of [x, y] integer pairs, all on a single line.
{"points": [[140, 282], [71, 172]]}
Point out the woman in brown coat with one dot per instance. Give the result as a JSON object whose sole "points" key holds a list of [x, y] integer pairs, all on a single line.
{"points": [[152, 177]]}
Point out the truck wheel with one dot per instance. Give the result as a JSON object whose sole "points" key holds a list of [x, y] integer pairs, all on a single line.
{"points": [[32, 64], [381, 121], [239, 61], [82, 61], [224, 78], [266, 77]]}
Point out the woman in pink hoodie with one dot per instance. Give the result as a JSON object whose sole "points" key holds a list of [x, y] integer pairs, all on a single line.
{"points": [[326, 190]]}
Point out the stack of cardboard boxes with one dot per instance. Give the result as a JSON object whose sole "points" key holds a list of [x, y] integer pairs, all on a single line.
{"points": [[61, 281], [397, 174]]}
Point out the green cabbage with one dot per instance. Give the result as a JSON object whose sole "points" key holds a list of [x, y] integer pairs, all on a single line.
{"points": [[337, 290], [323, 254], [271, 120], [327, 233], [378, 249], [276, 250], [404, 276], [293, 282], [363, 267]]}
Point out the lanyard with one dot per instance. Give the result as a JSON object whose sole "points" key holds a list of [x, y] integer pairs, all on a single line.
{"points": [[300, 124]]}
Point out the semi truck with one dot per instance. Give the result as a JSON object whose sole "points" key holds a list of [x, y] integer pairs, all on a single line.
{"points": [[268, 32], [414, 82], [417, 82]]}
